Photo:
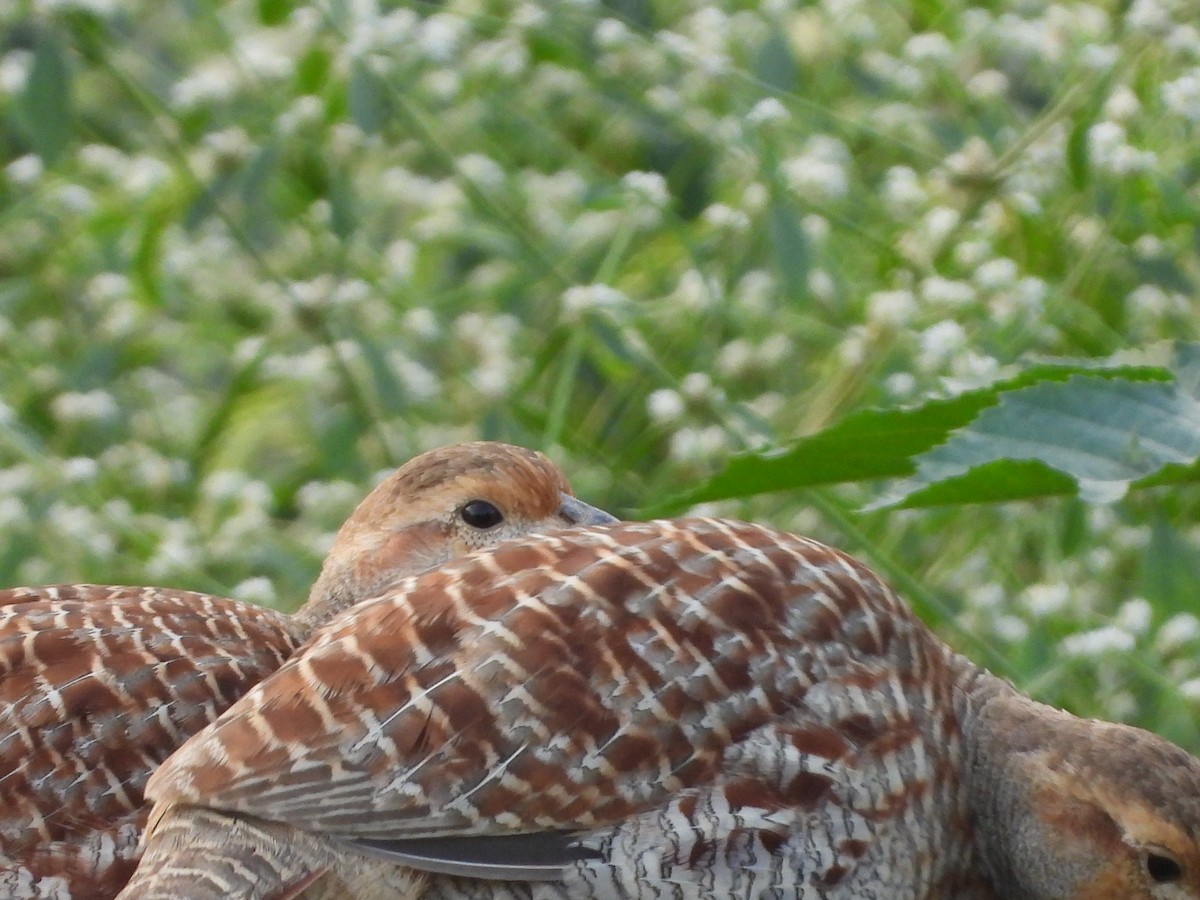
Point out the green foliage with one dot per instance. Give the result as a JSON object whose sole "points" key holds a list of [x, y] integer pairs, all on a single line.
{"points": [[1054, 429], [803, 264]]}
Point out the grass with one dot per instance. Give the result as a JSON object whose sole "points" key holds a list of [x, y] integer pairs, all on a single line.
{"points": [[254, 253]]}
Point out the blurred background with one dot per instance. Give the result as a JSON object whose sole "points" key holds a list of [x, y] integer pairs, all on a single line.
{"points": [[256, 253]]}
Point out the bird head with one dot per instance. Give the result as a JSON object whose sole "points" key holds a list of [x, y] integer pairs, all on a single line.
{"points": [[438, 506], [1079, 809]]}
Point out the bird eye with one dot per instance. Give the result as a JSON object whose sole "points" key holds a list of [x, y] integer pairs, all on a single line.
{"points": [[481, 514], [1163, 869]]}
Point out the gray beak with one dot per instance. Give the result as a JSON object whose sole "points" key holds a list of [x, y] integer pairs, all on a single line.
{"points": [[576, 512]]}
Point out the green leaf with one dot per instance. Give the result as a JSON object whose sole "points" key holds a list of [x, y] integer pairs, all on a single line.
{"points": [[1078, 163], [1102, 434], [366, 98], [775, 67], [790, 247], [877, 444], [44, 109], [274, 12]]}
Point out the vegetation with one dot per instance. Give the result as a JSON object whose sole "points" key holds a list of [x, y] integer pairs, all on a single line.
{"points": [[804, 263]]}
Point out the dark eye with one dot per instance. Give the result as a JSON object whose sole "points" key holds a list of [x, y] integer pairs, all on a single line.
{"points": [[1163, 869], [481, 514]]}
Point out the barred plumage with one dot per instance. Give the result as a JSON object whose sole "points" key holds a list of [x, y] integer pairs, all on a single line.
{"points": [[99, 684], [685, 709]]}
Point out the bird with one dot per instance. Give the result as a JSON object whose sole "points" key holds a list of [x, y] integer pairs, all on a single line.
{"points": [[689, 708], [100, 684]]}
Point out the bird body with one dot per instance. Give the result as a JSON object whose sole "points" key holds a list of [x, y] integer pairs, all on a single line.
{"points": [[98, 685], [691, 709]]}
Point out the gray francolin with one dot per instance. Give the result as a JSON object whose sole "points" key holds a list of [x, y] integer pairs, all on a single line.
{"points": [[688, 709], [98, 685]]}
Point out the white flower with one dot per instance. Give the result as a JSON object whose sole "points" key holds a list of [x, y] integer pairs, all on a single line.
{"points": [[143, 174], [1148, 299], [1182, 96], [987, 84], [350, 292], [1180, 629], [1134, 616], [1011, 629], [1149, 246], [481, 170], [581, 299], [440, 35], [211, 82], [269, 54], [255, 590], [695, 292], [930, 46], [1044, 600], [1099, 57], [942, 339], [1031, 293], [649, 186], [664, 406], [1110, 152], [1098, 642], [494, 376], [418, 380], [399, 257], [821, 284], [422, 323], [1122, 104], [895, 308], [776, 349], [996, 274], [24, 169], [697, 445], [610, 33], [766, 111], [946, 291], [973, 160], [820, 171], [696, 385], [900, 384], [80, 469], [939, 222], [815, 228], [13, 514], [224, 484], [89, 406], [736, 358], [902, 191], [14, 70], [754, 290], [1150, 15], [721, 215]]}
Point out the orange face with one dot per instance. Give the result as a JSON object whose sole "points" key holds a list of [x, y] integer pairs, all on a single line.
{"points": [[1122, 831]]}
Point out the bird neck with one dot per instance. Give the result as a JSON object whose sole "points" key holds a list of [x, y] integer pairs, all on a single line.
{"points": [[363, 564], [1013, 749], [333, 592]]}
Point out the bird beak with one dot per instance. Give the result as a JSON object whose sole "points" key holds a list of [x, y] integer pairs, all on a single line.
{"points": [[576, 512]]}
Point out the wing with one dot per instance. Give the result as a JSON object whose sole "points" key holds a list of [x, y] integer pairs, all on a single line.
{"points": [[97, 686], [561, 683]]}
